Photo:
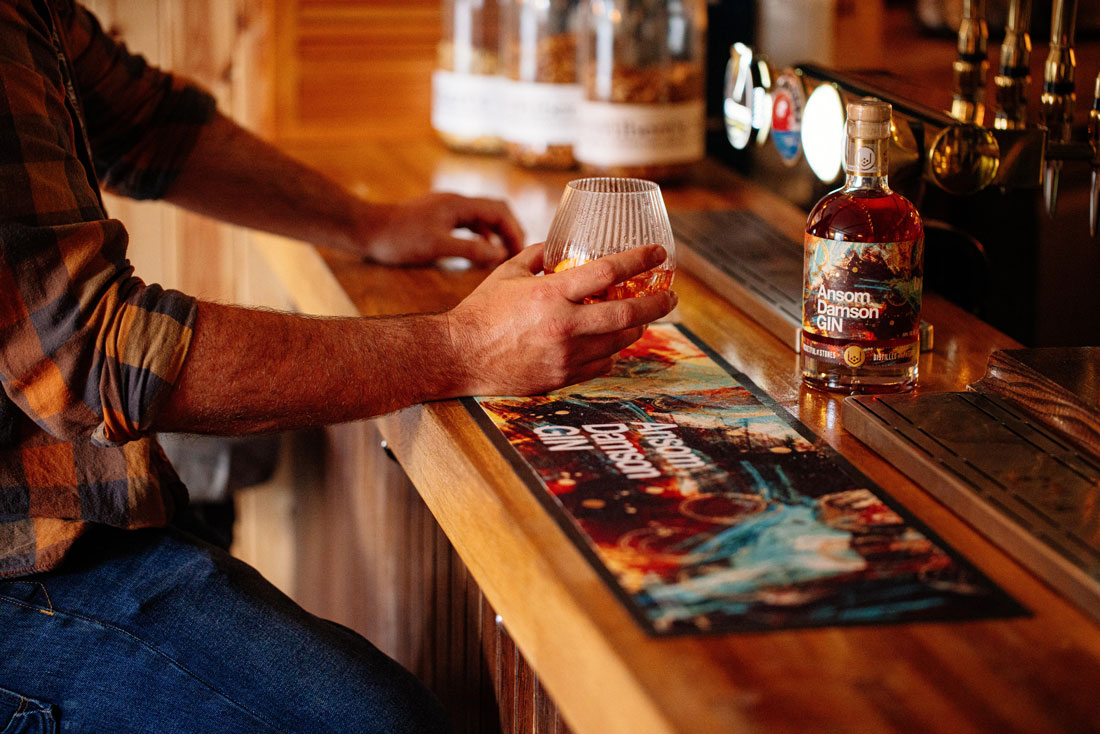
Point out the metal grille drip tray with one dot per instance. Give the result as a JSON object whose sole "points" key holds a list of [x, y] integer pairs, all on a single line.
{"points": [[1022, 486]]}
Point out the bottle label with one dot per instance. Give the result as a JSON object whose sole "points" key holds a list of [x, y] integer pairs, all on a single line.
{"points": [[539, 114], [466, 105], [859, 354], [640, 134], [861, 301]]}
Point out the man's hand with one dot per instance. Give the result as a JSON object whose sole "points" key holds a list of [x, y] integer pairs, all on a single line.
{"points": [[235, 176], [518, 334], [421, 230]]}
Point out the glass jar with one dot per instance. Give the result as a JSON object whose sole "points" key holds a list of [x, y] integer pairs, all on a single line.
{"points": [[539, 62], [641, 65], [466, 88]]}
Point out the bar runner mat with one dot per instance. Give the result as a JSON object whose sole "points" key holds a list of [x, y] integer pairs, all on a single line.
{"points": [[707, 508]]}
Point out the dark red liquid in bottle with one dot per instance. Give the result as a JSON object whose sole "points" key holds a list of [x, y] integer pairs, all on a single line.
{"points": [[865, 215]]}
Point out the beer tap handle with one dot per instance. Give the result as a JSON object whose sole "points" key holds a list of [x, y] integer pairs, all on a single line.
{"points": [[1059, 99], [1094, 140], [971, 65], [1013, 80]]}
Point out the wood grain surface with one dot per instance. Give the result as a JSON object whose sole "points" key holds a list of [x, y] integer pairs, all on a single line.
{"points": [[1057, 386], [1034, 674]]}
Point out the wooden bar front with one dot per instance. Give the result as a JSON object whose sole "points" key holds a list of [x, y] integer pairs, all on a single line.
{"points": [[1031, 674]]}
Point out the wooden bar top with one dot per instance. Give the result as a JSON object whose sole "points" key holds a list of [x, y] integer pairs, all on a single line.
{"points": [[1035, 674]]}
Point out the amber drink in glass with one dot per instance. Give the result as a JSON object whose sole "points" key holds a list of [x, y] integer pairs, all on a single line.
{"points": [[602, 216]]}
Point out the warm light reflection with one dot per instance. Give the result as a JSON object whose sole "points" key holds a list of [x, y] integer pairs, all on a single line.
{"points": [[762, 103], [823, 132], [740, 97]]}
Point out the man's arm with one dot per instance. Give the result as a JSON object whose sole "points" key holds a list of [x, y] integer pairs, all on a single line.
{"points": [[248, 370], [516, 334], [155, 135], [234, 176]]}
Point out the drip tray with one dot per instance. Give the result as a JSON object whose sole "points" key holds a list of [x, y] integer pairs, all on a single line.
{"points": [[1026, 489]]}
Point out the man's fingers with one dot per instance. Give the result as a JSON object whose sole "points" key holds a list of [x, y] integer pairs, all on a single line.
{"points": [[480, 250], [595, 368], [607, 345], [580, 282], [529, 259], [495, 216], [628, 313]]}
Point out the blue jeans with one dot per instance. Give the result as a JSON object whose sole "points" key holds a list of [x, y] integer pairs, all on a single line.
{"points": [[156, 631]]}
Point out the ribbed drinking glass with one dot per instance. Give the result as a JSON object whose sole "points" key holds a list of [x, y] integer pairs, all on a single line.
{"points": [[602, 216]]}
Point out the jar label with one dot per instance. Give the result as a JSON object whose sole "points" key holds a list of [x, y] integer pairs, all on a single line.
{"points": [[466, 105], [861, 301], [540, 114], [640, 134]]}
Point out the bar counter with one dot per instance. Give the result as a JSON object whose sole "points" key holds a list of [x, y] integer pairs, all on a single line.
{"points": [[1036, 673]]}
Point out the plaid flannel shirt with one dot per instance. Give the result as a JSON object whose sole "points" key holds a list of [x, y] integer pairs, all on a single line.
{"points": [[87, 350]]}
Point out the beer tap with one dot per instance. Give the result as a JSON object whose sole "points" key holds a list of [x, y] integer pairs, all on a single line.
{"points": [[971, 65], [1059, 99], [1013, 79], [1094, 140]]}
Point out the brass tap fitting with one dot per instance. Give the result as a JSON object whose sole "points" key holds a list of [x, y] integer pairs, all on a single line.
{"points": [[1094, 140], [1013, 79], [971, 67], [1059, 98]]}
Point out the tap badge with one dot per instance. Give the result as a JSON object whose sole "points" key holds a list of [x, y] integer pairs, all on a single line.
{"points": [[788, 101]]}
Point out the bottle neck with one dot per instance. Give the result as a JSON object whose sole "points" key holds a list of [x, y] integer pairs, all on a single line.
{"points": [[866, 163]]}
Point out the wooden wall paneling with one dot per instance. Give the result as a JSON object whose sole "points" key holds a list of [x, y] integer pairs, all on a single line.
{"points": [[252, 71], [285, 69], [508, 682], [546, 712], [526, 692], [355, 68], [200, 38], [265, 519], [442, 667], [427, 661], [414, 648], [460, 684], [490, 654], [205, 40], [560, 726], [475, 673]]}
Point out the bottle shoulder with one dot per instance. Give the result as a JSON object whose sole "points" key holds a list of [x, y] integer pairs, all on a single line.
{"points": [[865, 215]]}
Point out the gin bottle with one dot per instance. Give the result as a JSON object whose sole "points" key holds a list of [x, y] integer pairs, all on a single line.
{"points": [[863, 268]]}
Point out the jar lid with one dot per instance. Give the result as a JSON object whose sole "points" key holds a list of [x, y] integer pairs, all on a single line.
{"points": [[869, 119]]}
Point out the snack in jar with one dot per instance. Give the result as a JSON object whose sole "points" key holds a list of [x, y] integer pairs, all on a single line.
{"points": [[641, 64]]}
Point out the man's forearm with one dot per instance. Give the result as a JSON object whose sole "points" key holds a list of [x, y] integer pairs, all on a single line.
{"points": [[516, 334], [234, 176], [250, 370]]}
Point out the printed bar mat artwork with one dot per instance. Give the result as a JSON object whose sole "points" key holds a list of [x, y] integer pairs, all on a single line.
{"points": [[707, 508]]}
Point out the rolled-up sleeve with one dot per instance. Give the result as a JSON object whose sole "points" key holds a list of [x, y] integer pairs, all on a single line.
{"points": [[142, 122], [86, 347]]}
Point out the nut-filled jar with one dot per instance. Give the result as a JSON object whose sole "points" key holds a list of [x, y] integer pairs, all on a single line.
{"points": [[466, 88], [641, 64], [539, 62]]}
